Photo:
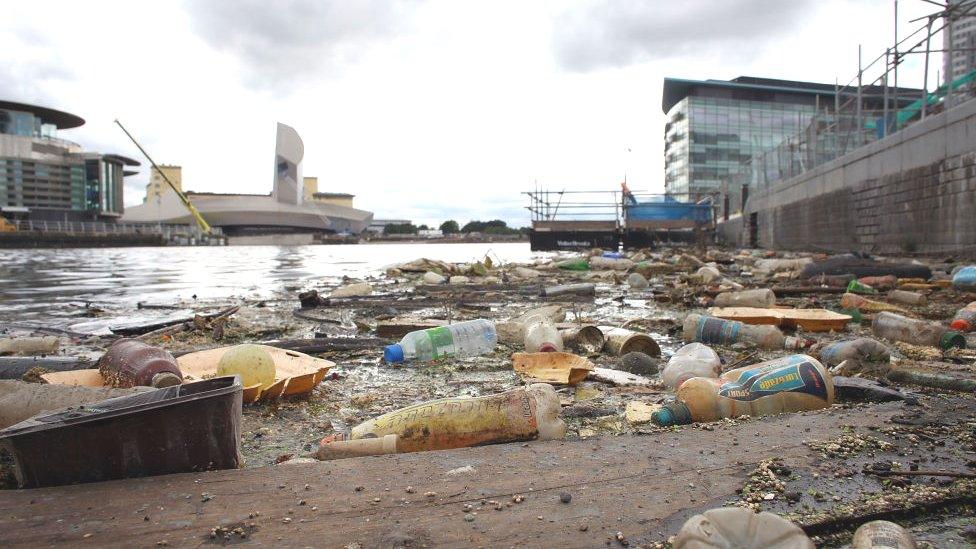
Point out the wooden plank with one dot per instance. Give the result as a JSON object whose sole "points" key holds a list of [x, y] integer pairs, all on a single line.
{"points": [[811, 320], [399, 327], [636, 485]]}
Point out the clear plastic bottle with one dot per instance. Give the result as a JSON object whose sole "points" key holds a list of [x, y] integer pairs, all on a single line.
{"points": [[692, 360], [917, 332], [793, 383], [881, 534], [965, 318], [740, 528], [469, 338], [854, 301], [862, 349], [762, 299], [540, 335], [708, 329], [906, 298]]}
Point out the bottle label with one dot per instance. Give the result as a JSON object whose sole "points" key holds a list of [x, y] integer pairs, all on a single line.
{"points": [[716, 330], [441, 341], [796, 377]]}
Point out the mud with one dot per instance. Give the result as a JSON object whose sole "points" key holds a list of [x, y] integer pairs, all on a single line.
{"points": [[938, 433]]}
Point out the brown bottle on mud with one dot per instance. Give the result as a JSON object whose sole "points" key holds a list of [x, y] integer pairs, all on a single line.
{"points": [[129, 362]]}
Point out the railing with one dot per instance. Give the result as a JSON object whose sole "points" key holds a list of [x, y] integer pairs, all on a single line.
{"points": [[869, 107], [100, 228], [615, 207]]}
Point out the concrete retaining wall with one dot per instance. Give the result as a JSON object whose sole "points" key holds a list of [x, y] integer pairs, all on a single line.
{"points": [[914, 191]]}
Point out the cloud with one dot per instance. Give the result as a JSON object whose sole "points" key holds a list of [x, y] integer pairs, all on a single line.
{"points": [[286, 42], [605, 33]]}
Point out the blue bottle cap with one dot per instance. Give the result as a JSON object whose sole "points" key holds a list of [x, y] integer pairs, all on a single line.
{"points": [[393, 353]]}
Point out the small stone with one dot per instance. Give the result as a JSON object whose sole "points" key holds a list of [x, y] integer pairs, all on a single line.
{"points": [[430, 494], [565, 497], [87, 536], [584, 527], [638, 363], [636, 281], [360, 488], [469, 517], [410, 489]]}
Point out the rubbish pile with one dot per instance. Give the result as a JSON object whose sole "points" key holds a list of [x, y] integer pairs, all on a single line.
{"points": [[433, 356]]}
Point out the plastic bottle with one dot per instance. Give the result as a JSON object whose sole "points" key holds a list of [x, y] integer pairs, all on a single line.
{"points": [[881, 534], [574, 265], [469, 338], [907, 298], [885, 282], [29, 345], [790, 384], [854, 301], [692, 360], [965, 278], [965, 318], [834, 281], [862, 349], [708, 329], [708, 274], [740, 528], [918, 332], [858, 287], [762, 299], [540, 335], [129, 362], [528, 413]]}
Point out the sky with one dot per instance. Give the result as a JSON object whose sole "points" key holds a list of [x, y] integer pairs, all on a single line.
{"points": [[424, 109]]}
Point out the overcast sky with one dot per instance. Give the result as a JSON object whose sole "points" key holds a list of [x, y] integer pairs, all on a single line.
{"points": [[425, 110]]}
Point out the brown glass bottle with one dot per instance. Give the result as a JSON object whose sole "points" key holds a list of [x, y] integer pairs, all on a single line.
{"points": [[129, 362]]}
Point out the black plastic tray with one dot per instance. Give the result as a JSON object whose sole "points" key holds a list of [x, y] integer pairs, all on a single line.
{"points": [[184, 428]]}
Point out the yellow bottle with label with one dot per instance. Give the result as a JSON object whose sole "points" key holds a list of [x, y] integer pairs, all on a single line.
{"points": [[529, 413], [790, 384]]}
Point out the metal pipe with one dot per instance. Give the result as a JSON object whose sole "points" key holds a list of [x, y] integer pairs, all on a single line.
{"points": [[925, 76], [950, 69], [884, 82], [860, 76], [897, 62]]}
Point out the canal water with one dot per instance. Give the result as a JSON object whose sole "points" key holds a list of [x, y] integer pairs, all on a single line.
{"points": [[40, 284]]}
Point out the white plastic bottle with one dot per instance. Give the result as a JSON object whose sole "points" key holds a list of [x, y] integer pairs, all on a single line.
{"points": [[692, 360], [469, 338], [540, 335], [762, 299]]}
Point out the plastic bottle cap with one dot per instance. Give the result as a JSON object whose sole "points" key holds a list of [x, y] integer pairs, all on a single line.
{"points": [[676, 413], [961, 324], [165, 379], [393, 353], [952, 339]]}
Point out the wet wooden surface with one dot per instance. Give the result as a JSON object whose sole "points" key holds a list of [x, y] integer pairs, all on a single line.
{"points": [[642, 486]]}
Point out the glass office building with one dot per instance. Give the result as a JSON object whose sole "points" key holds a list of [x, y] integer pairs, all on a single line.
{"points": [[44, 177], [714, 126]]}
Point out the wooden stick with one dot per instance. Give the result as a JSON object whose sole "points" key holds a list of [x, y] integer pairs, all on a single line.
{"points": [[920, 473]]}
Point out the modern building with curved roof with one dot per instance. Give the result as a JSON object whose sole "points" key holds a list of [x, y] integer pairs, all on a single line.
{"points": [[44, 177], [293, 206]]}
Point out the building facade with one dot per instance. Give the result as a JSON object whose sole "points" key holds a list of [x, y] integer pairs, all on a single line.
{"points": [[157, 184], [43, 177], [716, 127], [960, 37]]}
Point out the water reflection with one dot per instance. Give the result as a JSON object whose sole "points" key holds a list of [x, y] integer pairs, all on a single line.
{"points": [[39, 283]]}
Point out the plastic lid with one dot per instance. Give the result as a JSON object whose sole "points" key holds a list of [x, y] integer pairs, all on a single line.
{"points": [[952, 339], [675, 413], [961, 324], [393, 353]]}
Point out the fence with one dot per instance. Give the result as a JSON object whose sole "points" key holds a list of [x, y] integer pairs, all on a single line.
{"points": [[97, 228]]}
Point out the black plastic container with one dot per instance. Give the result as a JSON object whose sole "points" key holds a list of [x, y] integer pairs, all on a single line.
{"points": [[184, 428]]}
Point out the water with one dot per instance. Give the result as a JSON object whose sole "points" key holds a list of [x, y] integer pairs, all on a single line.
{"points": [[41, 284]]}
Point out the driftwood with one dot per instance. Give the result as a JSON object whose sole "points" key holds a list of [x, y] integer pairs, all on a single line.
{"points": [[936, 381], [14, 367], [179, 325]]}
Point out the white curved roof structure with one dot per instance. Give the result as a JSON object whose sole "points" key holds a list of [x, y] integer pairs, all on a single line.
{"points": [[285, 208]]}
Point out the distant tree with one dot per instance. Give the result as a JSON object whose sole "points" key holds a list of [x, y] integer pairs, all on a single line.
{"points": [[475, 226], [423, 227], [450, 227], [400, 228]]}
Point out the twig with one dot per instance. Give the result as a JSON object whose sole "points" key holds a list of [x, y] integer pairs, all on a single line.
{"points": [[920, 473]]}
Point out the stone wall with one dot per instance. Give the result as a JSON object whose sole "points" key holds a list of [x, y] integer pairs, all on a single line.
{"points": [[912, 192]]}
